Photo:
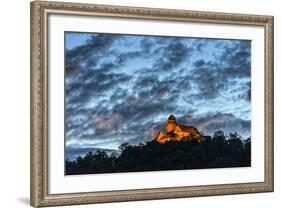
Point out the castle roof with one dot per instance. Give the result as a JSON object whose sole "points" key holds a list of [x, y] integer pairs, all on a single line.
{"points": [[172, 117], [186, 128]]}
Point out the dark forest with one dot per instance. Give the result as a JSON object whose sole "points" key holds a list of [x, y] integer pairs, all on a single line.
{"points": [[217, 151]]}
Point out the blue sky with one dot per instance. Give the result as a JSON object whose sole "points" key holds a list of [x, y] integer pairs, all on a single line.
{"points": [[122, 88]]}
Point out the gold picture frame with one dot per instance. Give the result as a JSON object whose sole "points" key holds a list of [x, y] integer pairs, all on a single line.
{"points": [[39, 103]]}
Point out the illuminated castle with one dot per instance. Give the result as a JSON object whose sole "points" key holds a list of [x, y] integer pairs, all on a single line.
{"points": [[177, 132]]}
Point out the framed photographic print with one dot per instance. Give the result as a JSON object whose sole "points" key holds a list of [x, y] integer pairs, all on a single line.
{"points": [[144, 103]]}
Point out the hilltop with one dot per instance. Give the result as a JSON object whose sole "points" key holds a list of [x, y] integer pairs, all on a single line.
{"points": [[219, 151]]}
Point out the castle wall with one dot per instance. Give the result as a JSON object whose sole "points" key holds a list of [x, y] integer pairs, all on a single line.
{"points": [[170, 127]]}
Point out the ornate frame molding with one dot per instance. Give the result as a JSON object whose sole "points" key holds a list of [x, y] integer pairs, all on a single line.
{"points": [[39, 103]]}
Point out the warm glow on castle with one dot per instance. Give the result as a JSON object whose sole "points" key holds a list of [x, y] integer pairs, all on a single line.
{"points": [[177, 132]]}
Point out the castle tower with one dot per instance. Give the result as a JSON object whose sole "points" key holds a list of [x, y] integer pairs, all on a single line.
{"points": [[171, 124]]}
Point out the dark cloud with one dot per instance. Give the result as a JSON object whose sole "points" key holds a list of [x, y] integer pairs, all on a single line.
{"points": [[216, 76], [237, 56], [93, 83], [248, 92], [213, 122], [172, 56], [199, 63], [146, 44], [94, 47]]}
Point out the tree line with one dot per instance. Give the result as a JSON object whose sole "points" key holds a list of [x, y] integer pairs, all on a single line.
{"points": [[218, 151]]}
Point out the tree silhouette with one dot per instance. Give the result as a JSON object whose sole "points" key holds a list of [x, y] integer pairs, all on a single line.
{"points": [[219, 151]]}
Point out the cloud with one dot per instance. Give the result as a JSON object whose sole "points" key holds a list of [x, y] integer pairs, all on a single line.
{"points": [[199, 63], [108, 122], [218, 75], [93, 48], [172, 55], [122, 88], [226, 122]]}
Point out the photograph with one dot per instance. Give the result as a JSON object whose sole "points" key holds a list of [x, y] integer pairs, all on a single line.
{"points": [[142, 103], [154, 103]]}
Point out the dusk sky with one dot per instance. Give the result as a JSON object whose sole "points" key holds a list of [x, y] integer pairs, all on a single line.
{"points": [[122, 88]]}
